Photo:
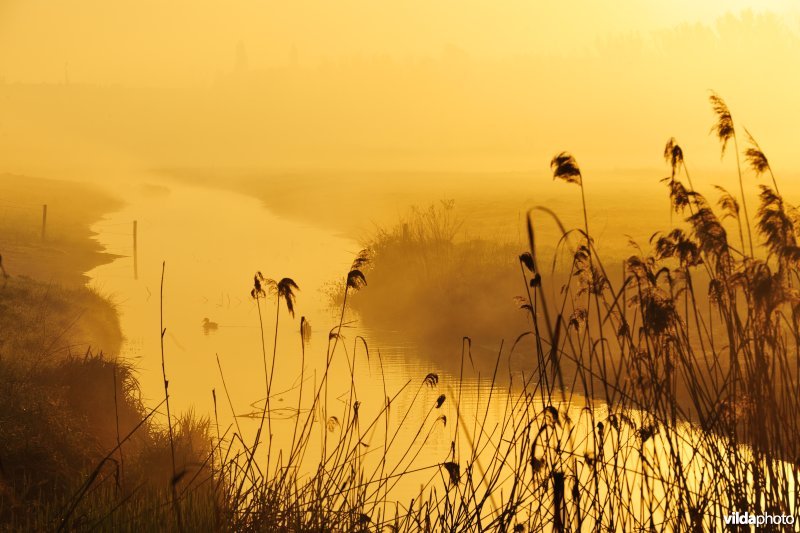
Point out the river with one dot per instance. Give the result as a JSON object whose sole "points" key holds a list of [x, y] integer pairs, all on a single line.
{"points": [[211, 243]]}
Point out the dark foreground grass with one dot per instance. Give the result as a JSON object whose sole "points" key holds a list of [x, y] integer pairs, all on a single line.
{"points": [[64, 405], [49, 321], [661, 402]]}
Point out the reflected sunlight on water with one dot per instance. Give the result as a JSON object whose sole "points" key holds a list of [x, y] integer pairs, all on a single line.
{"points": [[211, 256]]}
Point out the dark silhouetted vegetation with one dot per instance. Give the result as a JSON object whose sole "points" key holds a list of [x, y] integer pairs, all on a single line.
{"points": [[660, 400]]}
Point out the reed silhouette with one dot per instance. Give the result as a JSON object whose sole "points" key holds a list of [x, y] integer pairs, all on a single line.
{"points": [[663, 400]]}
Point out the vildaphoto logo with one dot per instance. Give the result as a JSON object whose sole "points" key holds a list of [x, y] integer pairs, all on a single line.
{"points": [[744, 519]]}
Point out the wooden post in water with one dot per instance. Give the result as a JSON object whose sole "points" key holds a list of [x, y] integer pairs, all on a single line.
{"points": [[44, 220], [135, 254]]}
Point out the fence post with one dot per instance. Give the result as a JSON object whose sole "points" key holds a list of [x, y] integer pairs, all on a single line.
{"points": [[44, 220], [135, 254]]}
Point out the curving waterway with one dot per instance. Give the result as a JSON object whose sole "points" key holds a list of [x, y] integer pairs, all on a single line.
{"points": [[211, 243]]}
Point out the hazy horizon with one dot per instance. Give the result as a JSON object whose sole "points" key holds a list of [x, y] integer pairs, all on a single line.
{"points": [[91, 88], [256, 254]]}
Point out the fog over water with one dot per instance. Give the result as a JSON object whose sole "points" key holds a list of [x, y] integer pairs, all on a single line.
{"points": [[284, 137], [336, 119]]}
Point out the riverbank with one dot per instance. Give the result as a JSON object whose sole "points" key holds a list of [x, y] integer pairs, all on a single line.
{"points": [[66, 251], [66, 400], [46, 292], [491, 204]]}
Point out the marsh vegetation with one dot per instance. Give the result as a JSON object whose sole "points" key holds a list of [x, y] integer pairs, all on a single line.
{"points": [[664, 398], [431, 283]]}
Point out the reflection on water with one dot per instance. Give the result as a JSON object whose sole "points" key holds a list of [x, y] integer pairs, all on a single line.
{"points": [[213, 242]]}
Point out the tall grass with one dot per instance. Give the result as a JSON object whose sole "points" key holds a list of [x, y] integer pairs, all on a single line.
{"points": [[430, 282], [662, 399]]}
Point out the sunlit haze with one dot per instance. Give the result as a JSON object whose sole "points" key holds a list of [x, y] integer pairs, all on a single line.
{"points": [[463, 85], [407, 265]]}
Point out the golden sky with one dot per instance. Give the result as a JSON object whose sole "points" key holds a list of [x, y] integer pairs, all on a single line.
{"points": [[394, 84], [178, 41]]}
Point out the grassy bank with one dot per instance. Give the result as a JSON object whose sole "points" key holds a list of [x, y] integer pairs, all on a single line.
{"points": [[492, 204], [66, 249], [66, 403], [66, 400], [430, 284]]}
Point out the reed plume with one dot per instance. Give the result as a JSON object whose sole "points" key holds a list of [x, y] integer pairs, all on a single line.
{"points": [[725, 131], [755, 157], [673, 154], [723, 128], [565, 167], [285, 289]]}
